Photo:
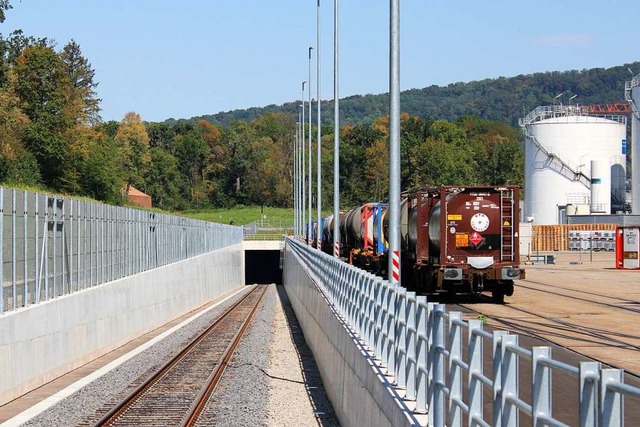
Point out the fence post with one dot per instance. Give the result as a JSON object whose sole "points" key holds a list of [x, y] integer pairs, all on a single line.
{"points": [[378, 317], [371, 319], [475, 344], [589, 394], [1, 251], [437, 380], [509, 370], [541, 375], [455, 372], [410, 346], [391, 328], [400, 336], [14, 261], [422, 354], [497, 375], [25, 247], [611, 402]]}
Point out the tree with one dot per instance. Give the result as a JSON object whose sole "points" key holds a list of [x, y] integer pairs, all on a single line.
{"points": [[134, 143], [4, 6], [79, 71], [43, 90], [191, 152], [17, 165], [376, 170], [216, 164], [165, 182], [102, 176]]}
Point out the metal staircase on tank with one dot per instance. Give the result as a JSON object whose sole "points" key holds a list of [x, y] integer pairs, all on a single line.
{"points": [[506, 230], [628, 88], [556, 163]]}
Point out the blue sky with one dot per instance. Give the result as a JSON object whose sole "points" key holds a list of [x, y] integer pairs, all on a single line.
{"points": [[167, 59]]}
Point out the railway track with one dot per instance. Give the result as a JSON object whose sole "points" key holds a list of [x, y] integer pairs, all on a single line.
{"points": [[573, 329], [177, 393], [583, 292]]}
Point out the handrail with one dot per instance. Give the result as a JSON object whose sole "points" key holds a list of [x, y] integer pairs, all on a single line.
{"points": [[422, 345]]}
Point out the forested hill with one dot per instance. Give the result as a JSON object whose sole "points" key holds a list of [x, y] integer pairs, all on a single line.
{"points": [[503, 99]]}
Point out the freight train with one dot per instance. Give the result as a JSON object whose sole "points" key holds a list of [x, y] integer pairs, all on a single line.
{"points": [[454, 240]]}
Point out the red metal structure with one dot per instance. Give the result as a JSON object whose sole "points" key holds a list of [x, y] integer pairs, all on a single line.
{"points": [[614, 108]]}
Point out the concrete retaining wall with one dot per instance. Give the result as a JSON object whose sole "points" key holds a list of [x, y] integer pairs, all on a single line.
{"points": [[360, 394], [41, 342]]}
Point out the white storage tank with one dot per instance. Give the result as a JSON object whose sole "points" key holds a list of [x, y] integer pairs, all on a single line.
{"points": [[560, 142], [600, 187]]}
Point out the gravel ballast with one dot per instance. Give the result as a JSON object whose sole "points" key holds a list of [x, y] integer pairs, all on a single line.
{"points": [[272, 380]]}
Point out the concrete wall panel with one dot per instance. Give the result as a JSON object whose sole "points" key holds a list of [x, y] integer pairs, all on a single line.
{"points": [[43, 341]]}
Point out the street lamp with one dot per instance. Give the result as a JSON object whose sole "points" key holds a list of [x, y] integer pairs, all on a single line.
{"points": [[319, 140], [336, 137], [294, 157], [310, 229], [394, 143], [304, 205]]}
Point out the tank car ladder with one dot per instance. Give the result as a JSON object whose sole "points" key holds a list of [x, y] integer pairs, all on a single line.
{"points": [[506, 221]]}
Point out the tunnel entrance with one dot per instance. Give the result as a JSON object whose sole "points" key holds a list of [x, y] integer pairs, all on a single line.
{"points": [[262, 266]]}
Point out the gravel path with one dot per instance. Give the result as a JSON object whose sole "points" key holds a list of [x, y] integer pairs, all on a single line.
{"points": [[272, 379]]}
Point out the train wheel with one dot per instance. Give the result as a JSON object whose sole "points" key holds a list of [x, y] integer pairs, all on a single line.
{"points": [[508, 287], [497, 295]]}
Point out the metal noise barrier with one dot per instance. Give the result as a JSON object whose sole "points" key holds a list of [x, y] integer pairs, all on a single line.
{"points": [[53, 246], [436, 358]]}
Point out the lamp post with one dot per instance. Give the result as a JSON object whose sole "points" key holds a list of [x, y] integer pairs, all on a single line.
{"points": [[319, 139], [303, 189], [299, 170], [336, 136], [295, 176], [394, 143], [310, 229]]}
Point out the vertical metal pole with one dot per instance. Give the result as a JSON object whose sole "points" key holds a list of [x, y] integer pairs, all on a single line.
{"points": [[304, 167], [2, 251], [25, 297], [497, 347], [295, 177], [36, 270], [319, 139], [542, 391], [45, 247], [55, 246], [394, 144], [298, 170], [422, 354], [437, 413], [455, 372], [509, 381], [310, 173], [85, 241], [63, 253], [336, 134], [611, 401], [589, 394], [475, 346], [13, 250], [71, 246]]}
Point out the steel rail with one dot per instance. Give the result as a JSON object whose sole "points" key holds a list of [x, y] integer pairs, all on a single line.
{"points": [[111, 417], [606, 304], [213, 380]]}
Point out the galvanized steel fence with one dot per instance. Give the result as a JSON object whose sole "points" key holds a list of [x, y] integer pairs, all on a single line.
{"points": [[52, 245], [436, 357]]}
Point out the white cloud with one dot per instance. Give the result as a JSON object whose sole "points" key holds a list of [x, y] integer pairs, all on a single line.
{"points": [[565, 40]]}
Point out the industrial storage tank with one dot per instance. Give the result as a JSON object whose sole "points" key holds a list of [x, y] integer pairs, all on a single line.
{"points": [[560, 144]]}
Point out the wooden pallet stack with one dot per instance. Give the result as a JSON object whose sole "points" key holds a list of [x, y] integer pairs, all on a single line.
{"points": [[548, 238]]}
